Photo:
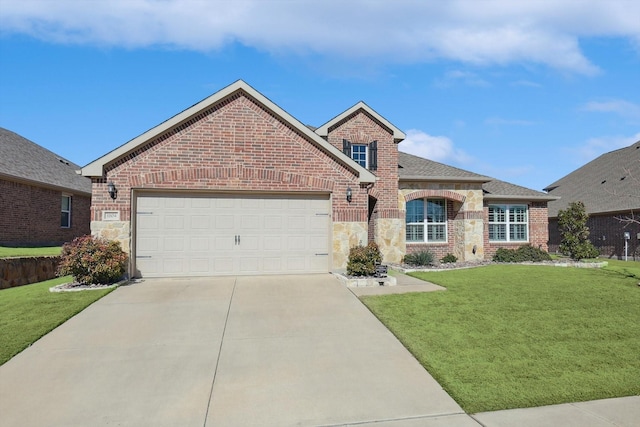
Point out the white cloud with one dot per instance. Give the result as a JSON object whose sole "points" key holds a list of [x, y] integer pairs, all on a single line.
{"points": [[595, 147], [616, 106], [485, 32], [526, 83], [436, 148], [465, 77]]}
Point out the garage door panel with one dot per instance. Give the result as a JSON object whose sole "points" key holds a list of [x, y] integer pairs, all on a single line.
{"points": [[273, 264], [148, 244], [223, 265], [249, 264], [318, 262], [199, 265], [174, 222], [296, 243], [199, 244], [174, 202], [200, 222], [202, 235], [272, 243], [272, 223], [148, 222]]}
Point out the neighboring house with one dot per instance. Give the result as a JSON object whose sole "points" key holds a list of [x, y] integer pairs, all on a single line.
{"points": [[43, 200], [236, 185], [609, 187]]}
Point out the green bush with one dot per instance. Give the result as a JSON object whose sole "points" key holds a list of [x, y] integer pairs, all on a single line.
{"points": [[363, 259], [449, 258], [421, 258], [92, 260], [525, 253]]}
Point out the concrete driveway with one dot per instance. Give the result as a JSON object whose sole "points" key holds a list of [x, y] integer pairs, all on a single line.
{"points": [[234, 351]]}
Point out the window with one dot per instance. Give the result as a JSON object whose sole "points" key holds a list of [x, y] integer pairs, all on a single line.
{"points": [[427, 220], [508, 223], [359, 154], [366, 155], [65, 218]]}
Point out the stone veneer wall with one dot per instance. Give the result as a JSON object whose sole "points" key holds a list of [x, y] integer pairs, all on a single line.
{"points": [[465, 218], [345, 236], [23, 271], [390, 236], [113, 230]]}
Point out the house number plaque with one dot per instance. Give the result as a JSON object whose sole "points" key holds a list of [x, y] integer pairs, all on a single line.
{"points": [[111, 215]]}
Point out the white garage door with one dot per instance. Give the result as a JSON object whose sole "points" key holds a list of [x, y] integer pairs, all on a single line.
{"points": [[210, 235]]}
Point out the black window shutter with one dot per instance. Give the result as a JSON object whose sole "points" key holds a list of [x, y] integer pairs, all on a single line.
{"points": [[373, 156], [346, 147]]}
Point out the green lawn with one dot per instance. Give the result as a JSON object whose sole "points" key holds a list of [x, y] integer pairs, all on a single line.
{"points": [[29, 312], [19, 252], [509, 336]]}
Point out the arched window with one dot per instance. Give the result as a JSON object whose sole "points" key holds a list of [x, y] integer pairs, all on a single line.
{"points": [[426, 220]]}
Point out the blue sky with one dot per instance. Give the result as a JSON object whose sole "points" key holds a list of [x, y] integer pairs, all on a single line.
{"points": [[522, 91]]}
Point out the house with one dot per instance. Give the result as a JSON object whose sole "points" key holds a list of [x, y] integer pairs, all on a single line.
{"points": [[43, 200], [236, 185], [609, 187]]}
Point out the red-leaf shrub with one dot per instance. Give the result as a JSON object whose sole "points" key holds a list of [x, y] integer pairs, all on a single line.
{"points": [[363, 259], [93, 260]]}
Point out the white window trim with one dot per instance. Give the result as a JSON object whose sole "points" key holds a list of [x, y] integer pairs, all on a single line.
{"points": [[426, 224], [507, 223], [67, 211], [366, 154]]}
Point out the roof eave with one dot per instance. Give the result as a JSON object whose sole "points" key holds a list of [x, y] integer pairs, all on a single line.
{"points": [[35, 183], [541, 198], [398, 135], [96, 168], [481, 179]]}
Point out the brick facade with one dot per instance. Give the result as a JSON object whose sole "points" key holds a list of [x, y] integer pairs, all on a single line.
{"points": [[239, 142], [606, 234], [30, 215], [538, 229], [360, 128], [238, 146]]}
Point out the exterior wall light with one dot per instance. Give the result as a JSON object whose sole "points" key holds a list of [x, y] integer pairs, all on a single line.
{"points": [[349, 194], [112, 190]]}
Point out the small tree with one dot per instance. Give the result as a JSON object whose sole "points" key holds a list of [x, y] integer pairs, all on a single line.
{"points": [[572, 223]]}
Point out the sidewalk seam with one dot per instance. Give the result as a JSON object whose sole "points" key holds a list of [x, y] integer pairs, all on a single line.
{"points": [[386, 420], [215, 372]]}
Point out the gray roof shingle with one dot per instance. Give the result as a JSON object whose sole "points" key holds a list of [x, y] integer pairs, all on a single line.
{"points": [[416, 168], [25, 160], [608, 184]]}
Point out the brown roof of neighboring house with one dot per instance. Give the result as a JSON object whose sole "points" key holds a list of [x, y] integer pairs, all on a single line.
{"points": [[608, 184], [24, 160], [414, 168]]}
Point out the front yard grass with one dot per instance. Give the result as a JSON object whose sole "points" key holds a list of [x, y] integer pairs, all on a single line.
{"points": [[29, 312], [6, 252], [512, 336]]}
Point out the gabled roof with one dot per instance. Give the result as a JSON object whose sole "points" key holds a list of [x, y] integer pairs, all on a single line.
{"points": [[25, 161], [398, 135], [96, 168], [414, 168], [608, 184]]}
